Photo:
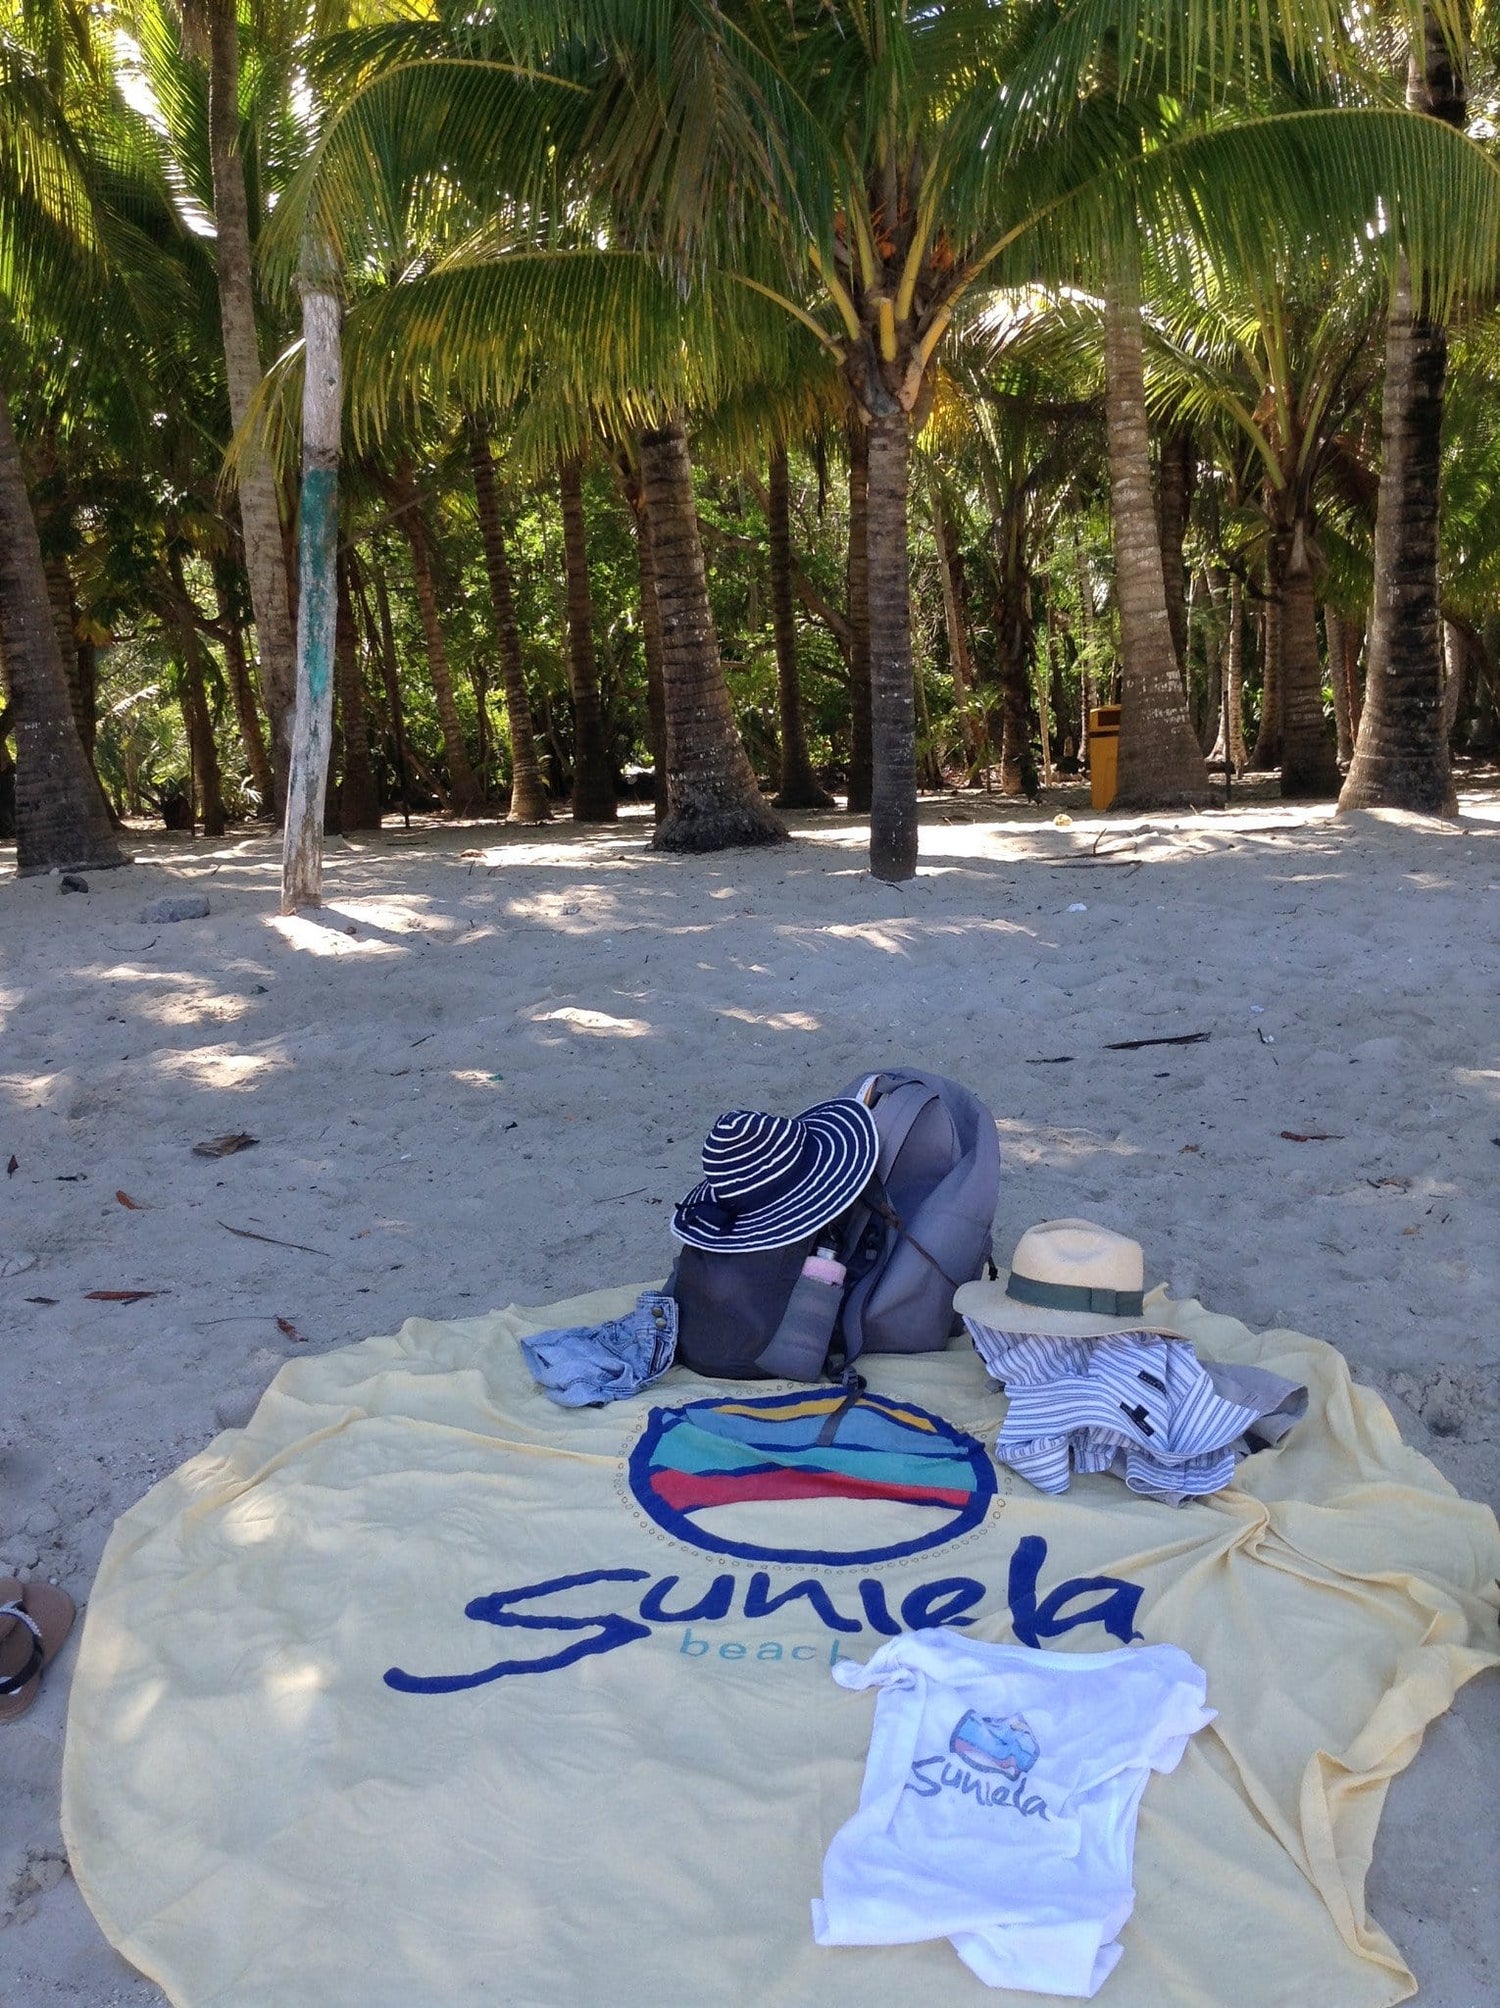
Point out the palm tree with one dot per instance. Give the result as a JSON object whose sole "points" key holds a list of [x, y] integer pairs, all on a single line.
{"points": [[54, 232], [465, 792], [800, 787], [61, 818], [528, 794], [169, 37], [1008, 412], [1160, 761], [857, 602], [593, 778], [626, 458], [1401, 756], [317, 581], [1471, 523], [359, 798], [1178, 459], [905, 158], [1282, 363], [587, 337], [712, 795], [181, 618], [867, 168], [950, 582], [227, 589]]}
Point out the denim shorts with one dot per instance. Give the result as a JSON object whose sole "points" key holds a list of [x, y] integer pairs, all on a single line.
{"points": [[584, 1366]]}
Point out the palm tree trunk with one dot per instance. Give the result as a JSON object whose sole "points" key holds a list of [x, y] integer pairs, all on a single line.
{"points": [[1266, 753], [1086, 637], [382, 638], [79, 667], [593, 776], [1401, 755], [1456, 664], [61, 816], [950, 576], [359, 798], [484, 762], [7, 764], [317, 587], [1338, 682], [242, 690], [1211, 714], [1231, 719], [528, 794], [1354, 648], [656, 697], [858, 591], [893, 726], [929, 762], [1160, 765], [1179, 477], [197, 718], [200, 730], [1045, 715], [260, 513], [1015, 648], [712, 796], [800, 788], [1308, 766], [464, 796]]}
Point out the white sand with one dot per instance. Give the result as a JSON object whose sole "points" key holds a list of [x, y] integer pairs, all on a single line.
{"points": [[492, 1086]]}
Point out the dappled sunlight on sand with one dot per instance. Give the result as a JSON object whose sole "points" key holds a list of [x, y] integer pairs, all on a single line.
{"points": [[185, 997], [888, 937], [326, 937], [597, 1022], [774, 1021], [396, 916], [213, 1067], [1060, 1147]]}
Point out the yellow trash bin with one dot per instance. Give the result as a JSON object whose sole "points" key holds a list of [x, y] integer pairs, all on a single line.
{"points": [[1104, 753]]}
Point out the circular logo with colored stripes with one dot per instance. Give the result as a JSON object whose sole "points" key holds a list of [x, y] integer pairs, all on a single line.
{"points": [[829, 1476]]}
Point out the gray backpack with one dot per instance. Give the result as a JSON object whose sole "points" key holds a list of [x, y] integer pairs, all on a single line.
{"points": [[919, 1230]]}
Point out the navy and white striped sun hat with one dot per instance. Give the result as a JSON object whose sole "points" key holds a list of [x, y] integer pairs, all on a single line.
{"points": [[771, 1180]]}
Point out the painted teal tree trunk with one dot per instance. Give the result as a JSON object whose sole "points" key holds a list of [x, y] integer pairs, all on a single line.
{"points": [[317, 600]]}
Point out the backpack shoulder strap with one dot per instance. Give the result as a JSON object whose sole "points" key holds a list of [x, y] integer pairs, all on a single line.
{"points": [[896, 1112], [893, 1220]]}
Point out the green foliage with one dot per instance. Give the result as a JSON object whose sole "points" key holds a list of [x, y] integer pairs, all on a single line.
{"points": [[576, 217]]}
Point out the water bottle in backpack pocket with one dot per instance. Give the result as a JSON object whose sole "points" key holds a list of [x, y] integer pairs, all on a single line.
{"points": [[799, 1347]]}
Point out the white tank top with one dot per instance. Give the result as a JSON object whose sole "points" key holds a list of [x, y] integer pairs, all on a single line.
{"points": [[999, 1802]]}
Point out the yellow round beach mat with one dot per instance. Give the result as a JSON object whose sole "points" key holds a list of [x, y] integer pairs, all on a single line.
{"points": [[422, 1690]]}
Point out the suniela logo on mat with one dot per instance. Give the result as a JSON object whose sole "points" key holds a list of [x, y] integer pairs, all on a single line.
{"points": [[886, 1481], [729, 1476]]}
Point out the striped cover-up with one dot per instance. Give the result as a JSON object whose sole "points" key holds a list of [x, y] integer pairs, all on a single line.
{"points": [[1139, 1403]]}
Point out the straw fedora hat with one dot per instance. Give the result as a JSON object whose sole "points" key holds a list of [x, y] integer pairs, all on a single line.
{"points": [[1067, 1277]]}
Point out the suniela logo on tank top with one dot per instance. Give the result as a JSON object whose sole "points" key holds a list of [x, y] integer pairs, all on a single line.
{"points": [[1001, 1750]]}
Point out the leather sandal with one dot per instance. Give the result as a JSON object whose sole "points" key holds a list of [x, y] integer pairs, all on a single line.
{"points": [[35, 1620]]}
